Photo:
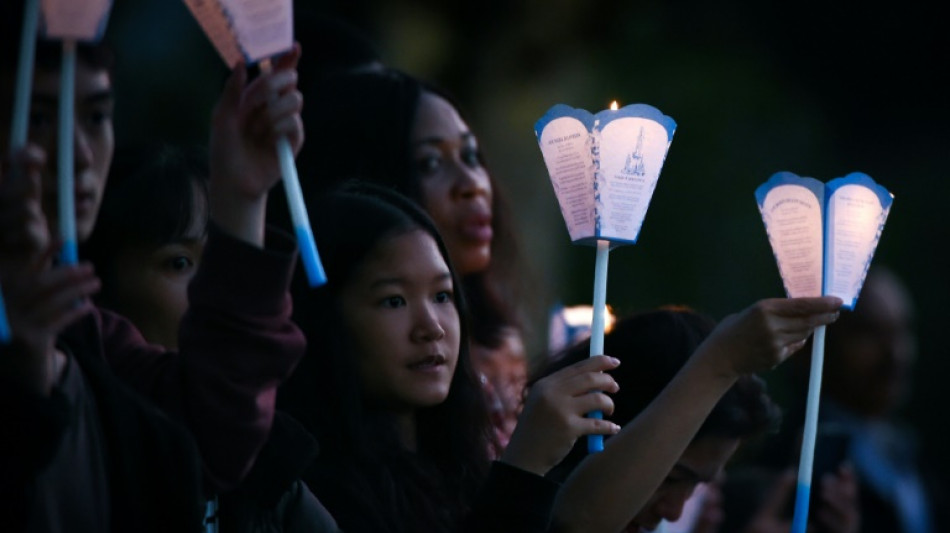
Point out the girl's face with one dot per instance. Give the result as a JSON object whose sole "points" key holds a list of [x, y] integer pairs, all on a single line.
{"points": [[455, 188], [400, 310], [152, 282]]}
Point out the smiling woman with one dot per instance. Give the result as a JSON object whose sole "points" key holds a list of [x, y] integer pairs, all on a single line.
{"points": [[150, 235]]}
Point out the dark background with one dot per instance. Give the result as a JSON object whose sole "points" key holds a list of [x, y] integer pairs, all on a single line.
{"points": [[817, 88]]}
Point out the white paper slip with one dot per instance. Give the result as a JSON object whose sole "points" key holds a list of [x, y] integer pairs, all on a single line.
{"points": [[81, 20], [604, 167], [823, 235], [245, 29]]}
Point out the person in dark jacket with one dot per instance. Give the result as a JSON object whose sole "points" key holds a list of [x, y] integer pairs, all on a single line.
{"points": [[96, 411]]}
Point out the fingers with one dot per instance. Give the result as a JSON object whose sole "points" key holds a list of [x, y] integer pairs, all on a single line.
{"points": [[50, 300], [231, 95], [594, 401], [596, 363], [596, 426], [290, 59], [805, 307]]}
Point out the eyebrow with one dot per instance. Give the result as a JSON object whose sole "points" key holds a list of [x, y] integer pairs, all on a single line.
{"points": [[398, 281], [467, 136]]}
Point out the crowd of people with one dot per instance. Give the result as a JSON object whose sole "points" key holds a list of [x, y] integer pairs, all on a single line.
{"points": [[186, 360]]}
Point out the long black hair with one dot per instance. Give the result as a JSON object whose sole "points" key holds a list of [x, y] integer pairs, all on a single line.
{"points": [[654, 346], [366, 478]]}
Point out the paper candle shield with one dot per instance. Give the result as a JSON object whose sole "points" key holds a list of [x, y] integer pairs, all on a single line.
{"points": [[245, 29], [823, 236], [604, 167], [82, 20]]}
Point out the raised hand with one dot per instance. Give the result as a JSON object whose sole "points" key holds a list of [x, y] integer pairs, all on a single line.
{"points": [[246, 123], [41, 299], [767, 333], [554, 418]]}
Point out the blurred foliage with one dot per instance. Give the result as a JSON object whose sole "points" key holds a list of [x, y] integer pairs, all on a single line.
{"points": [[817, 88]]}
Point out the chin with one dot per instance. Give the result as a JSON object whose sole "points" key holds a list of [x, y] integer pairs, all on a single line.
{"points": [[473, 262]]}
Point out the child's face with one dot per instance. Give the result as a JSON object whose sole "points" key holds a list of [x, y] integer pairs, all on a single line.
{"points": [[92, 140], [400, 312], [701, 462], [455, 187], [151, 283]]}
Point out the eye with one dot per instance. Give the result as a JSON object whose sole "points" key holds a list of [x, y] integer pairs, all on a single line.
{"points": [[444, 297], [472, 157], [428, 164], [98, 116], [179, 263], [393, 302]]}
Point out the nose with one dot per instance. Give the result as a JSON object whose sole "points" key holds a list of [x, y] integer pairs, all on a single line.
{"points": [[471, 182], [82, 151], [427, 327]]}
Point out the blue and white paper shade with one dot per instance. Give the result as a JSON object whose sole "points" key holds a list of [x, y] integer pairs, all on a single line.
{"points": [[604, 167], [823, 235]]}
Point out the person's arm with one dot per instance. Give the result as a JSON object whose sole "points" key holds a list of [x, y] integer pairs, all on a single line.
{"points": [[237, 341], [607, 489]]}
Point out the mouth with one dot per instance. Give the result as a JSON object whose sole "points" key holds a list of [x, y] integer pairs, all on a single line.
{"points": [[477, 228], [429, 362]]}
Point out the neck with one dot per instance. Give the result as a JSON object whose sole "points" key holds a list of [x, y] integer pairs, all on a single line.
{"points": [[406, 429]]}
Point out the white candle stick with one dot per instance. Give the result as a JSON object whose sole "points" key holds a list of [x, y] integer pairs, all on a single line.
{"points": [[19, 126], [298, 209], [803, 492], [595, 443], [65, 162]]}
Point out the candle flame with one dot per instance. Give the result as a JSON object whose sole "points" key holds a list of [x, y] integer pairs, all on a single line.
{"points": [[614, 106]]}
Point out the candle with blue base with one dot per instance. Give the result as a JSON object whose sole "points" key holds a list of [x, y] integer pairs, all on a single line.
{"points": [[823, 237], [256, 33], [604, 168]]}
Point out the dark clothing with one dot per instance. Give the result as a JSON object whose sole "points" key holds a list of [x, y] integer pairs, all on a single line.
{"points": [[238, 344], [511, 500], [273, 499]]}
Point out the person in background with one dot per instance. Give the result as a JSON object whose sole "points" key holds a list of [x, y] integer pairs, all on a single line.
{"points": [[870, 355]]}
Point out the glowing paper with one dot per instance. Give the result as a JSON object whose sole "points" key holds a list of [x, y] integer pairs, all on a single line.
{"points": [[604, 167], [823, 236], [80, 20], [250, 29]]}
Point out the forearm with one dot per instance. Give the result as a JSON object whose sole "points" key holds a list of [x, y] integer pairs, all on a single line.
{"points": [[240, 217], [605, 492]]}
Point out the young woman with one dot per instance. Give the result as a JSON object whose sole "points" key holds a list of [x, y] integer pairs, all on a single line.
{"points": [[388, 389]]}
